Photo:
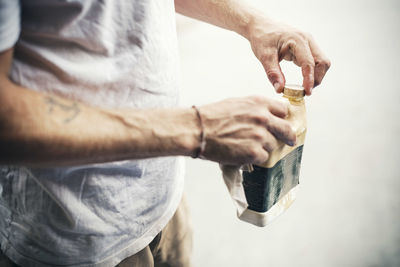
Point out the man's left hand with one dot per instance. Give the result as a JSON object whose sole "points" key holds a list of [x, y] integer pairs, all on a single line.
{"points": [[272, 42]]}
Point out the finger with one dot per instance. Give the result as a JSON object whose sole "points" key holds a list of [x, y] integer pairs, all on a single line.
{"points": [[319, 73], [308, 78], [260, 157], [302, 57], [282, 130], [270, 62], [322, 63], [279, 108], [270, 142]]}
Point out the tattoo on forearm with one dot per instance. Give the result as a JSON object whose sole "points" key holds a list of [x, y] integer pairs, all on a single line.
{"points": [[71, 110]]}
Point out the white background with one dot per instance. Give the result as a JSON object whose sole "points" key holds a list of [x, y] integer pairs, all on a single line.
{"points": [[348, 209]]}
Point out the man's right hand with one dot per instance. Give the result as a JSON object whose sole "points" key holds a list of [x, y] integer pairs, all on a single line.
{"points": [[245, 130]]}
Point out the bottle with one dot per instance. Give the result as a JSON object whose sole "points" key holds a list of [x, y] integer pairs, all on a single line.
{"points": [[270, 188]]}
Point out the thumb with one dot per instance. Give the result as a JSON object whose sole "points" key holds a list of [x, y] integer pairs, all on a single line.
{"points": [[271, 65]]}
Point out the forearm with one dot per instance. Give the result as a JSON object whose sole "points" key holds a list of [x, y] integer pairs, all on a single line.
{"points": [[228, 14], [43, 130]]}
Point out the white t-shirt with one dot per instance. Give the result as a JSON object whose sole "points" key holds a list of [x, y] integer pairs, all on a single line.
{"points": [[110, 53]]}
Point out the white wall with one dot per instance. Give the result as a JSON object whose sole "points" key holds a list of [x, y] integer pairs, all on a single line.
{"points": [[347, 213]]}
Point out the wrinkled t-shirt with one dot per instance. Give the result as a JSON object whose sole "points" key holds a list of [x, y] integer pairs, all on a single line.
{"points": [[110, 54]]}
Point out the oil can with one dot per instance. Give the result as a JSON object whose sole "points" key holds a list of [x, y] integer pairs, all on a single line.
{"points": [[270, 188]]}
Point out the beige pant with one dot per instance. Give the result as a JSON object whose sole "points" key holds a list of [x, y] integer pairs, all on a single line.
{"points": [[172, 247]]}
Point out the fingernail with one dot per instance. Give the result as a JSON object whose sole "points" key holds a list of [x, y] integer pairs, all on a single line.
{"points": [[276, 86]]}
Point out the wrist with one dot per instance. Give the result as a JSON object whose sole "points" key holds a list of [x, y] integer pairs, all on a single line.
{"points": [[181, 132], [258, 23], [202, 138], [191, 136], [252, 18]]}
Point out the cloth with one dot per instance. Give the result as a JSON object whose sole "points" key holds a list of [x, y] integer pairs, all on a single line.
{"points": [[233, 180], [171, 247], [9, 23], [112, 54]]}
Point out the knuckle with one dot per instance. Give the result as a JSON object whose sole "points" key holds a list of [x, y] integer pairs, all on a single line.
{"points": [[298, 40], [258, 103], [261, 117], [263, 157], [308, 65], [259, 134], [327, 64], [307, 36], [324, 62], [271, 145], [272, 77], [291, 43], [267, 55], [292, 135], [256, 99], [285, 109], [287, 130], [283, 105], [253, 153], [288, 49], [272, 74], [278, 34], [310, 61]]}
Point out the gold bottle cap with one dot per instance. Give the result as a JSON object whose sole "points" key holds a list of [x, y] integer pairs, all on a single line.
{"points": [[293, 90]]}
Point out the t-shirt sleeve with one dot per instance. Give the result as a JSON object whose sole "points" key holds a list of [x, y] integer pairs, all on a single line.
{"points": [[10, 23]]}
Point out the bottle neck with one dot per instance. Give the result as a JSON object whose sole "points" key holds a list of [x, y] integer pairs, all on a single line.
{"points": [[293, 99]]}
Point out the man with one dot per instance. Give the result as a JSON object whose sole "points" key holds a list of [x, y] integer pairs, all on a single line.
{"points": [[90, 127]]}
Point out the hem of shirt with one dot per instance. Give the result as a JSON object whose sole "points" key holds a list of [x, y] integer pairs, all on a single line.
{"points": [[128, 251]]}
